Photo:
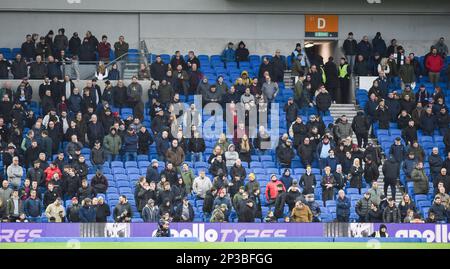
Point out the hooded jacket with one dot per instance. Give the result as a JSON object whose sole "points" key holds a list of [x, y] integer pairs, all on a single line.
{"points": [[241, 54]]}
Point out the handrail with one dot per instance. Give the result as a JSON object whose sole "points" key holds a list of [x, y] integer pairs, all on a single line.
{"points": [[110, 63], [145, 53]]}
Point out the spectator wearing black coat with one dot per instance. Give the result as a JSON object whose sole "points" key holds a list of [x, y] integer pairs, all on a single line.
{"points": [[306, 152], [332, 79], [382, 115], [291, 110], [241, 53], [102, 211], [73, 211], [323, 101], [158, 69], [99, 182], [375, 215], [361, 126], [391, 172], [435, 160], [184, 212], [72, 183], [147, 192], [409, 134], [439, 211], [371, 172], [85, 191], [361, 67], [364, 48], [391, 213], [428, 122], [144, 140], [19, 67], [350, 49], [278, 66], [74, 44], [247, 211], [443, 178], [285, 154], [87, 211]]}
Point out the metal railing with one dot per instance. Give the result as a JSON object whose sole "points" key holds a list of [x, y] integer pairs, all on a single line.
{"points": [[111, 63]]}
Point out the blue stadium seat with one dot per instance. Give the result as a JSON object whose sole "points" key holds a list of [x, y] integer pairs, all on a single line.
{"points": [[116, 164], [118, 170]]}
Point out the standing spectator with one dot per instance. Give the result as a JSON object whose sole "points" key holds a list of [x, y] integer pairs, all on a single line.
{"points": [[28, 49], [55, 212], [112, 144], [228, 54], [87, 211], [134, 95], [202, 184], [150, 213], [391, 213], [342, 207], [184, 212], [378, 44], [38, 69], [15, 173], [350, 49], [102, 211], [434, 64], [197, 147], [272, 189], [278, 67], [85, 191], [269, 89], [33, 207], [104, 49], [360, 125], [323, 101], [14, 206], [371, 172], [355, 175], [308, 181], [130, 145], [420, 179], [327, 184], [99, 182], [175, 154], [364, 47], [74, 44], [122, 211], [441, 48], [332, 79], [363, 207], [73, 211], [98, 156], [439, 210], [241, 53], [391, 172], [301, 213], [405, 205]]}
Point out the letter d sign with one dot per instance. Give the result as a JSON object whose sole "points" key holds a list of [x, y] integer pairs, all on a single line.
{"points": [[321, 23]]}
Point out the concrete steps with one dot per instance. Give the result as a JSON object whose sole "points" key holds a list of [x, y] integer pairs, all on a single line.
{"points": [[350, 110]]}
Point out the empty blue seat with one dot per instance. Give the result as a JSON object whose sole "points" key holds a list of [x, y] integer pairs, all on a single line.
{"points": [[118, 170], [330, 203], [116, 164], [118, 177], [130, 164]]}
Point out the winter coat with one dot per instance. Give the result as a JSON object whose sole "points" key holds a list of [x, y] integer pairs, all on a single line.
{"points": [[102, 212], [391, 215], [420, 180], [99, 183], [33, 207], [356, 177], [360, 124], [112, 143], [323, 101], [343, 207], [301, 214], [362, 208], [391, 171], [150, 214], [130, 143], [87, 214], [175, 156], [371, 172]]}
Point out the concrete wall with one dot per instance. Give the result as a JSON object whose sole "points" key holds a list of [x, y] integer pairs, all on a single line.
{"points": [[205, 26], [15, 25], [209, 34], [234, 6]]}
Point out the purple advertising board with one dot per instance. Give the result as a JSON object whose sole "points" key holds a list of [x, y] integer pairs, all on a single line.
{"points": [[220, 232], [231, 232]]}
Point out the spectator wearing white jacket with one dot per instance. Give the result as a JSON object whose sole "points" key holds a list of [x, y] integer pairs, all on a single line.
{"points": [[201, 185]]}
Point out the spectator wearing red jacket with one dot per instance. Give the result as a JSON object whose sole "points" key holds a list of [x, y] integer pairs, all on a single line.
{"points": [[50, 171], [272, 189], [104, 49], [434, 64]]}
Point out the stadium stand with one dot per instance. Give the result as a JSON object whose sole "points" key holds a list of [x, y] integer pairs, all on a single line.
{"points": [[131, 160]]}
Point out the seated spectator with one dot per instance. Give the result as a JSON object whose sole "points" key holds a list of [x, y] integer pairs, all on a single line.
{"points": [[86, 191], [99, 182], [202, 184], [439, 210]]}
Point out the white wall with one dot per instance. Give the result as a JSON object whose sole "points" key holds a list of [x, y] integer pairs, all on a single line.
{"points": [[14, 26]]}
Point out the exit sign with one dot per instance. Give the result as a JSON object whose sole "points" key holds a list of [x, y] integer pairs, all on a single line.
{"points": [[321, 25]]}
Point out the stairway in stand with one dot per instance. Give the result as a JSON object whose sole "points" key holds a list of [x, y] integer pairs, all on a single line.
{"points": [[350, 110]]}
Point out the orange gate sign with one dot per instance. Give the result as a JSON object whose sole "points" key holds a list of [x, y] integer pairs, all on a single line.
{"points": [[321, 25]]}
